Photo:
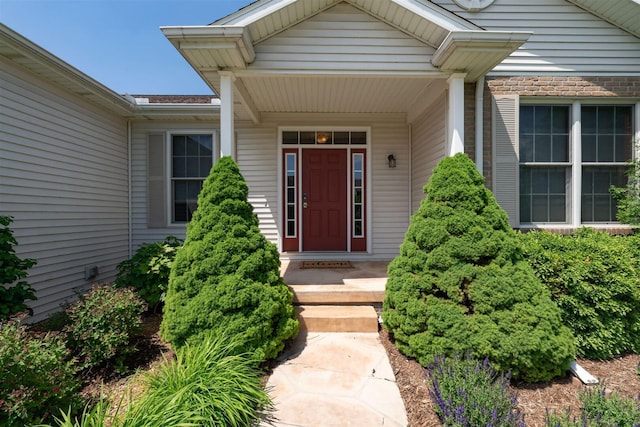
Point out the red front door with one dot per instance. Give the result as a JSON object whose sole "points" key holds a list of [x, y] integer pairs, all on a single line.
{"points": [[324, 200]]}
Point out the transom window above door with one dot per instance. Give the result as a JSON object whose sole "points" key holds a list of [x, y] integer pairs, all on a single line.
{"points": [[317, 137]]}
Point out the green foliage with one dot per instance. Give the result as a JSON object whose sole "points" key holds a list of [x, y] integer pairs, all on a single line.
{"points": [[14, 290], [148, 270], [460, 284], [629, 197], [210, 384], [38, 376], [467, 393], [227, 275], [600, 410], [595, 280], [102, 323]]}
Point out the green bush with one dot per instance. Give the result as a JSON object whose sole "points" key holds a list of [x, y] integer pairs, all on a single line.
{"points": [[629, 197], [148, 270], [227, 275], [38, 375], [460, 284], [468, 393], [600, 410], [595, 280], [210, 384], [14, 290], [102, 324]]}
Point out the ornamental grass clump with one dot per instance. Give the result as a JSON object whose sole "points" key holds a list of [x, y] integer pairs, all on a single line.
{"points": [[209, 384], [594, 278], [469, 393], [460, 284], [226, 276]]}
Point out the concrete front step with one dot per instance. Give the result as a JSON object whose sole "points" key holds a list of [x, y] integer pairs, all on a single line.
{"points": [[337, 318], [336, 294]]}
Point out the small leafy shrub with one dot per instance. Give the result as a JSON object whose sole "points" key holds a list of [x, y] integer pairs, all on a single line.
{"points": [[148, 270], [209, 384], [600, 410], [102, 323], [227, 275], [38, 375], [468, 393], [460, 284], [629, 197], [595, 280], [14, 290]]}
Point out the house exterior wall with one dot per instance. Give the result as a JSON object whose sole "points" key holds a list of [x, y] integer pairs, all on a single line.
{"points": [[566, 39], [428, 142], [64, 179], [557, 90], [257, 149], [141, 129], [257, 153]]}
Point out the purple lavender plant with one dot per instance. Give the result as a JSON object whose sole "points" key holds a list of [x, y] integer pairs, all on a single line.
{"points": [[470, 393]]}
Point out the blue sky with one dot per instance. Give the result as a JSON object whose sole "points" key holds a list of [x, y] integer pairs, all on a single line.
{"points": [[118, 42]]}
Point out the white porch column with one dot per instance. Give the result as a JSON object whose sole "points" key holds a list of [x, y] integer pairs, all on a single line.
{"points": [[227, 127], [455, 134]]}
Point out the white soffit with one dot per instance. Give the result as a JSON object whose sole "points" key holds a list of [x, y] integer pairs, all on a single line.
{"points": [[621, 13]]}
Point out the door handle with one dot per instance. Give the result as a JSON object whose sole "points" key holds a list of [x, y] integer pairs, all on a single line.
{"points": [[304, 200]]}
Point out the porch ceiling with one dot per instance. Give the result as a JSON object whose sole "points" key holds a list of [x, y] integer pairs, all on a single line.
{"points": [[336, 94]]}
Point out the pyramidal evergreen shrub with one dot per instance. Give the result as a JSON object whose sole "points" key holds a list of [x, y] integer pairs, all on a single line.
{"points": [[460, 284], [226, 276]]}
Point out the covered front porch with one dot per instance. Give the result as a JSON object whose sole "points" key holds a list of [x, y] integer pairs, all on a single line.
{"points": [[317, 97]]}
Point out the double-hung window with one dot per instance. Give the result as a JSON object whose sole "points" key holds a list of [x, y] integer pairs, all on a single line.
{"points": [[191, 160], [606, 146], [564, 173]]}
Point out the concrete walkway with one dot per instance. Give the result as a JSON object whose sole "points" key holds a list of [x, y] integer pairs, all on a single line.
{"points": [[335, 379]]}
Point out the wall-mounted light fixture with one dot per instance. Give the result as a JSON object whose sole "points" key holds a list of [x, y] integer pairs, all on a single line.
{"points": [[392, 160]]}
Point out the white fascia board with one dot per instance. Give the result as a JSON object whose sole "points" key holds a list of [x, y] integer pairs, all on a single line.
{"points": [[437, 15]]}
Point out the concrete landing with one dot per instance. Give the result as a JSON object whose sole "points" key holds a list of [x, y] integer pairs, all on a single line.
{"points": [[335, 379]]}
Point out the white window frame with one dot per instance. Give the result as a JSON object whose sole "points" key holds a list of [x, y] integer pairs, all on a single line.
{"points": [[215, 154], [574, 191]]}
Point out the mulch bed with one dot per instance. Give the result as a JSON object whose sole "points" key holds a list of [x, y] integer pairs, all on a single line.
{"points": [[619, 374]]}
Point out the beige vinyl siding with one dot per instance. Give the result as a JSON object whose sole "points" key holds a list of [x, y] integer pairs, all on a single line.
{"points": [[63, 176], [141, 232], [428, 142], [258, 162], [390, 193], [566, 39], [343, 38]]}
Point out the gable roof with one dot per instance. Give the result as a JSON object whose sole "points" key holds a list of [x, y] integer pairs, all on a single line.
{"points": [[41, 62], [624, 14], [460, 45]]}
